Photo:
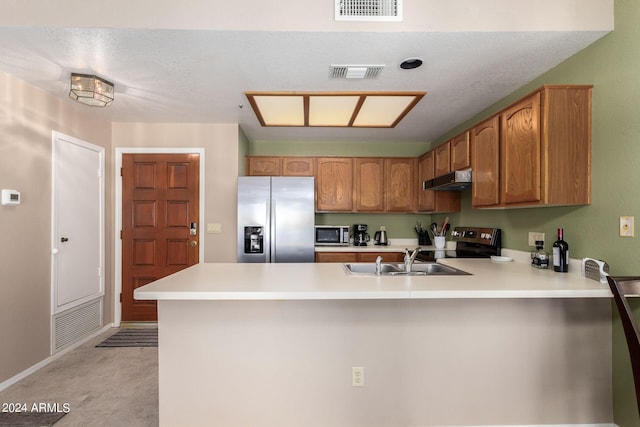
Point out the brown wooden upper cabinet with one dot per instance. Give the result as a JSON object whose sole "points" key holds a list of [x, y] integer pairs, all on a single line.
{"points": [[264, 166], [400, 184], [369, 184], [520, 152], [485, 164], [537, 151], [298, 166], [334, 184], [460, 152], [430, 200], [443, 159]]}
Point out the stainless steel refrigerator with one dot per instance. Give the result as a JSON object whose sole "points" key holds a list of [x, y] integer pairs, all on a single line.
{"points": [[276, 219]]}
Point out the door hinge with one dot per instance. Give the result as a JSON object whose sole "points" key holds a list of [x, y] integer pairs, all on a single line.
{"points": [[120, 296], [120, 234]]}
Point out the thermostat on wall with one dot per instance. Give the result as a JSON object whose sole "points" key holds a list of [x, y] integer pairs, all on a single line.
{"points": [[10, 197]]}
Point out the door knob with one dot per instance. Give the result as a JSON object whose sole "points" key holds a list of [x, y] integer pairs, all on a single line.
{"points": [[193, 243]]}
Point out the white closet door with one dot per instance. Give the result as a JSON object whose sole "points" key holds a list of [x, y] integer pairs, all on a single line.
{"points": [[78, 222]]}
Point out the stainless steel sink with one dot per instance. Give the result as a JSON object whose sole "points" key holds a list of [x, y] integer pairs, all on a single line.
{"points": [[418, 269]]}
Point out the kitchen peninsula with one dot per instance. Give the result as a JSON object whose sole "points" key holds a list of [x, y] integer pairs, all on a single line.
{"points": [[275, 344]]}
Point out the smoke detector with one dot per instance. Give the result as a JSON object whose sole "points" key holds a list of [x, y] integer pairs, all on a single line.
{"points": [[355, 71], [368, 10]]}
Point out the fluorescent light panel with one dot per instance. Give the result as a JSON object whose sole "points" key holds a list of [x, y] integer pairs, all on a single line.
{"points": [[332, 109], [382, 111]]}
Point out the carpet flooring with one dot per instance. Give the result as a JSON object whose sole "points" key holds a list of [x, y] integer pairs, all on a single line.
{"points": [[102, 388]]}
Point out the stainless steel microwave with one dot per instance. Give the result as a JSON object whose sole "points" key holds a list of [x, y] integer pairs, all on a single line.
{"points": [[332, 235]]}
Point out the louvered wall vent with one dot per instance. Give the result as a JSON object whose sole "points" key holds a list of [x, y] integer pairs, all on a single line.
{"points": [[368, 10], [355, 71], [76, 323]]}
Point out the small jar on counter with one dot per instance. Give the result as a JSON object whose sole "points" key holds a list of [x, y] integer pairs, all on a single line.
{"points": [[540, 258]]}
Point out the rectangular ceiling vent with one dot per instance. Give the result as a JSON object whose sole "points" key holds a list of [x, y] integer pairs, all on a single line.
{"points": [[368, 10], [355, 71]]}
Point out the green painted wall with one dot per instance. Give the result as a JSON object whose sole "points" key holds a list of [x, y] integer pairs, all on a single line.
{"points": [[338, 148]]}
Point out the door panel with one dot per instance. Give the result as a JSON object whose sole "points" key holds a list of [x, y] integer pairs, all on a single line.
{"points": [[78, 217], [160, 200], [485, 160]]}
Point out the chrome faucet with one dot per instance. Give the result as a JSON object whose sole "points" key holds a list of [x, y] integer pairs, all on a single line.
{"points": [[379, 265], [410, 257]]}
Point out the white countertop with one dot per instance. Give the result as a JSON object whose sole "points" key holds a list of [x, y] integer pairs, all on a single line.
{"points": [[488, 279]]}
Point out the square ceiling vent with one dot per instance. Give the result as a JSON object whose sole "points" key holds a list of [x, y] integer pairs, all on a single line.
{"points": [[368, 10]]}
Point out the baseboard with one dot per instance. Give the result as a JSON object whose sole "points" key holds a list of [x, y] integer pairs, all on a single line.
{"points": [[550, 425], [11, 381]]}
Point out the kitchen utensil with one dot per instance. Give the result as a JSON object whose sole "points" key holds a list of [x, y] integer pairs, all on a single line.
{"points": [[595, 269], [434, 229], [423, 235], [443, 230]]}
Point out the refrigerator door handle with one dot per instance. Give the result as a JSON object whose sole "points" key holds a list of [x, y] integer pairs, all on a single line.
{"points": [[272, 230], [268, 233]]}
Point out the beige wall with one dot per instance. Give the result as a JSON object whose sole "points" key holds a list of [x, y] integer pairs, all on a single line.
{"points": [[27, 118], [220, 142]]}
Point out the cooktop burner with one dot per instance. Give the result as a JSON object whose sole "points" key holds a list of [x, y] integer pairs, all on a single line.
{"points": [[471, 242]]}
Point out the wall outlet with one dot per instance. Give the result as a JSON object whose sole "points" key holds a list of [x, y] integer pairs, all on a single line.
{"points": [[533, 236], [357, 376], [626, 226]]}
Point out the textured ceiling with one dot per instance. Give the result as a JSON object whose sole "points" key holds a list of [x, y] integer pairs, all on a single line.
{"points": [[169, 75]]}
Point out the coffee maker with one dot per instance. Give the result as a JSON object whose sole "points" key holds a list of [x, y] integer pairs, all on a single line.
{"points": [[360, 236]]}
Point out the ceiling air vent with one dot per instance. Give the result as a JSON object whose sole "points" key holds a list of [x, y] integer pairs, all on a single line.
{"points": [[368, 10], [355, 71]]}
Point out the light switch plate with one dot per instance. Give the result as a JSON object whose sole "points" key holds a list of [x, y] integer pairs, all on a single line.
{"points": [[627, 226], [214, 228]]}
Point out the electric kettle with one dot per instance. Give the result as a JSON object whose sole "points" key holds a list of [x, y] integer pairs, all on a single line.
{"points": [[380, 237]]}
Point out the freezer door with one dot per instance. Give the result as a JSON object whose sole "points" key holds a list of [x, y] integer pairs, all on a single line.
{"points": [[293, 219], [254, 210]]}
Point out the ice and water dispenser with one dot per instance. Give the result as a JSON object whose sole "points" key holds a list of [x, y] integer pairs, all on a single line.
{"points": [[253, 239]]}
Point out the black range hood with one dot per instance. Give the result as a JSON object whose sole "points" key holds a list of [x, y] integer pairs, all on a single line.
{"points": [[458, 180]]}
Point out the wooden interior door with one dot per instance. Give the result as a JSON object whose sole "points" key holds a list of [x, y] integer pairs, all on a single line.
{"points": [[160, 208]]}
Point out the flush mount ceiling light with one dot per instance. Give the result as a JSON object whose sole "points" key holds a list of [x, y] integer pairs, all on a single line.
{"points": [[333, 109], [91, 90]]}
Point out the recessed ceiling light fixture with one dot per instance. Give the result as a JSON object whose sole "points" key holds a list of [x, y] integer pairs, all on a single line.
{"points": [[411, 63], [91, 90], [333, 109]]}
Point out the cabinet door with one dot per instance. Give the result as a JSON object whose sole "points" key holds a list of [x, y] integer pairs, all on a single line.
{"points": [[336, 257], [426, 198], [399, 184], [263, 166], [368, 176], [386, 256], [520, 172], [334, 184], [297, 166], [443, 159], [485, 160], [460, 152]]}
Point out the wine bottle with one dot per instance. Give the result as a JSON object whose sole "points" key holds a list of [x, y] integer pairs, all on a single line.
{"points": [[560, 254]]}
